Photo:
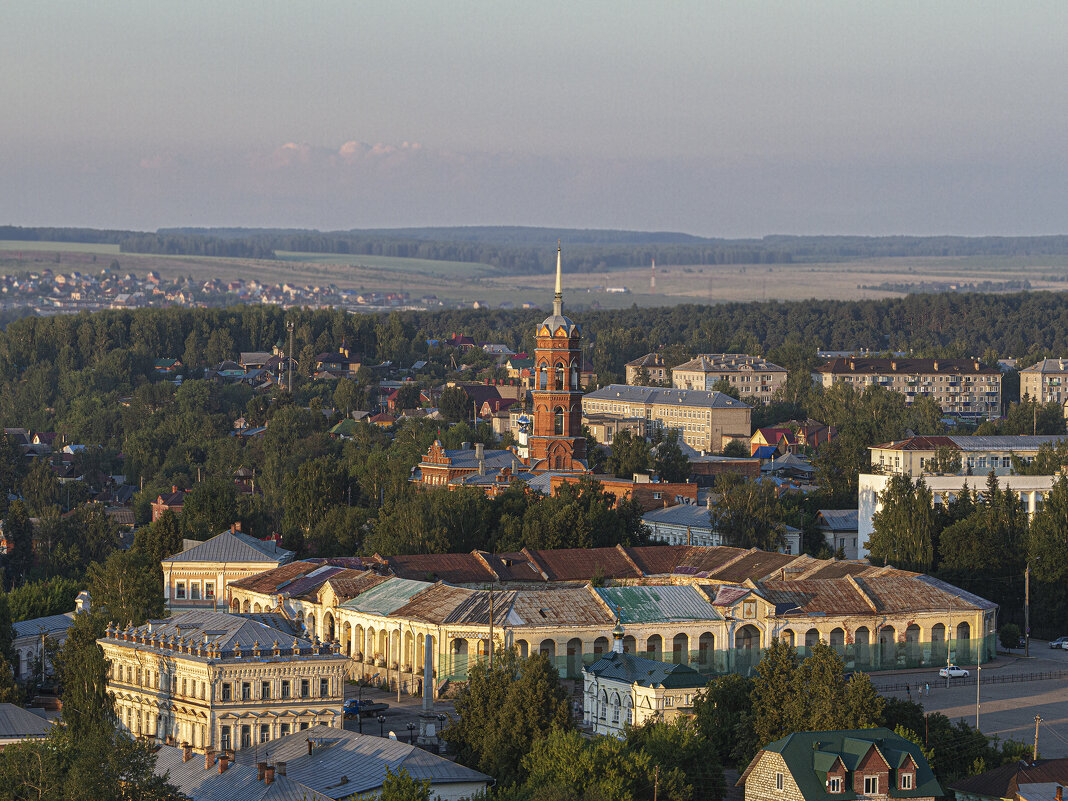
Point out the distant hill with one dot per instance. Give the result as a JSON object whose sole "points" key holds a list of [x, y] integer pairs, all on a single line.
{"points": [[527, 250]]}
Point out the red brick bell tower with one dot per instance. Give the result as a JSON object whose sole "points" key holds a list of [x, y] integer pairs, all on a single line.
{"points": [[556, 442]]}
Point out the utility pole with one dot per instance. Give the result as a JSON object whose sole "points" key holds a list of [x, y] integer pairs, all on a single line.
{"points": [[1027, 611], [1034, 753], [289, 325], [977, 669], [656, 782], [491, 628]]}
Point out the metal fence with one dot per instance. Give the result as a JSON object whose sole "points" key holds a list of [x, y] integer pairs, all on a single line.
{"points": [[983, 678]]}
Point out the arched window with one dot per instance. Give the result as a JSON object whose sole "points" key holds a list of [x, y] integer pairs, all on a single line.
{"points": [[558, 421], [574, 376], [615, 708], [543, 376], [560, 377]]}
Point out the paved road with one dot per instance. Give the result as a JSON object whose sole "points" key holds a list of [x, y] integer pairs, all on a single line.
{"points": [[1007, 710], [397, 716]]}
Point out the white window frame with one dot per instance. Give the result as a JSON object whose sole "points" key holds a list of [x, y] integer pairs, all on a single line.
{"points": [[905, 781], [834, 784], [871, 785]]}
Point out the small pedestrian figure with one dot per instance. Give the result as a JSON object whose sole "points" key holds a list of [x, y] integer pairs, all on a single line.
{"points": [[908, 691], [927, 689]]}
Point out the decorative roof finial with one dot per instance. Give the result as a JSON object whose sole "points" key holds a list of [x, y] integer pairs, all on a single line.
{"points": [[558, 300]]}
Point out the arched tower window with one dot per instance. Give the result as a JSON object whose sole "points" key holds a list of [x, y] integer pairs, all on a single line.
{"points": [[543, 376], [560, 377], [574, 376], [558, 421]]}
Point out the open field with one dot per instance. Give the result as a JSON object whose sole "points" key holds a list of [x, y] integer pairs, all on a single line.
{"points": [[467, 282]]}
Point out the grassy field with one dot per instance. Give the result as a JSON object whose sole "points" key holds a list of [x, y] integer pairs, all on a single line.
{"points": [[467, 282]]}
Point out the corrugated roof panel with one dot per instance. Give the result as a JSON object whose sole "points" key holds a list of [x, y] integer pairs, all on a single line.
{"points": [[563, 606], [384, 598], [660, 603]]}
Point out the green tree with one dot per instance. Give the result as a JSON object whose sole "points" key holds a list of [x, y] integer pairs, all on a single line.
{"points": [[670, 463], [727, 388], [504, 711], [775, 711], [1047, 546], [208, 508], [408, 396], [903, 529], [946, 460], [641, 377], [747, 514], [400, 786], [630, 454], [682, 754], [40, 487], [82, 672], [318, 485], [736, 449], [161, 538], [126, 588], [724, 713], [18, 531], [455, 404]]}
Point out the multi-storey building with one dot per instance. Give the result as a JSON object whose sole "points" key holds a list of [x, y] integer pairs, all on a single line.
{"points": [[752, 376], [222, 681], [1046, 382], [961, 387], [706, 420], [197, 577], [977, 455], [655, 368]]}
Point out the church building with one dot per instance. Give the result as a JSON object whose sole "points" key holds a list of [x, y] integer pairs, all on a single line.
{"points": [[555, 443]]}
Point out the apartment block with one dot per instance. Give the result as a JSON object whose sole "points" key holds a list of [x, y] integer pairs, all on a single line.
{"points": [[654, 365], [752, 376], [978, 455], [1046, 381], [705, 420], [961, 387]]}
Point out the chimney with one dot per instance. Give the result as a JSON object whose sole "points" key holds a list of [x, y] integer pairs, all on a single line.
{"points": [[268, 775], [224, 761], [480, 450], [231, 528], [281, 768], [187, 752], [1060, 793], [309, 746], [209, 759], [261, 769], [174, 488], [237, 526]]}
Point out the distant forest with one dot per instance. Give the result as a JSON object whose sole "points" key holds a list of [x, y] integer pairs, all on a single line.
{"points": [[522, 250]]}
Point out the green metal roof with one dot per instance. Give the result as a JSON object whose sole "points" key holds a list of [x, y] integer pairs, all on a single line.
{"points": [[658, 603], [387, 597], [810, 754], [645, 672]]}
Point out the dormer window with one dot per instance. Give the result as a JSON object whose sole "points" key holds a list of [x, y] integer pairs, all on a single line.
{"points": [[905, 781], [871, 785], [834, 784]]}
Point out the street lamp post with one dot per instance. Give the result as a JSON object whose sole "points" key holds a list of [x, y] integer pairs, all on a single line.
{"points": [[381, 725], [411, 728]]}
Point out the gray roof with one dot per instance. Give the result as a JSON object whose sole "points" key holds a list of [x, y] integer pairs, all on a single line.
{"points": [[707, 399], [1047, 366], [492, 459], [683, 514], [728, 363], [556, 321], [343, 763], [645, 672], [17, 723], [658, 604], [1007, 442], [237, 783], [839, 519], [228, 631], [233, 546], [51, 624]]}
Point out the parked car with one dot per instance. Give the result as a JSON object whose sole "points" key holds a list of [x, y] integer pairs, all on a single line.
{"points": [[954, 672], [1060, 642]]}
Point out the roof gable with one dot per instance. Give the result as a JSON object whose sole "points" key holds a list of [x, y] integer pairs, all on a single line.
{"points": [[233, 546]]}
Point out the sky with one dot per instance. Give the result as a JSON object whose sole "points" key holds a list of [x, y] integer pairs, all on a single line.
{"points": [[733, 119]]}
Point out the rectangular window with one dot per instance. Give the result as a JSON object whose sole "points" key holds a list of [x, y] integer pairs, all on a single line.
{"points": [[226, 692], [669, 700], [304, 690], [246, 736], [224, 737], [209, 590], [265, 690], [179, 590], [285, 688], [265, 732], [871, 785], [246, 691], [834, 784], [778, 781], [194, 590], [184, 688], [283, 729], [324, 687], [303, 726], [906, 781]]}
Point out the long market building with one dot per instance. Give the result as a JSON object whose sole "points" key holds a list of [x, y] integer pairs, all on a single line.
{"points": [[713, 608]]}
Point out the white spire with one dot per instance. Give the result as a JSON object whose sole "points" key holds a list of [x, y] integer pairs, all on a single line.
{"points": [[558, 300]]}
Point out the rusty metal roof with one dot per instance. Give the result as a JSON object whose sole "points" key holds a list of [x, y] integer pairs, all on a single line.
{"points": [[895, 593], [269, 580], [657, 560], [582, 564], [575, 606], [457, 568], [352, 583]]}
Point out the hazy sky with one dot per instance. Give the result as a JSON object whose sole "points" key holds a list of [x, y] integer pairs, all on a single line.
{"points": [[732, 119]]}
